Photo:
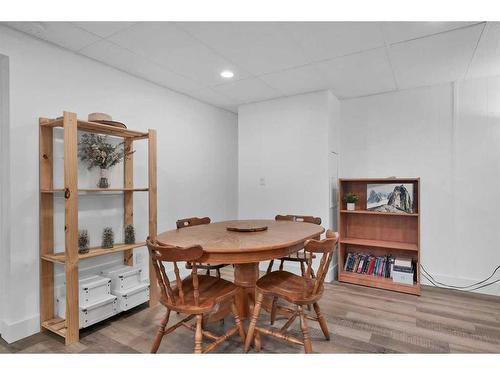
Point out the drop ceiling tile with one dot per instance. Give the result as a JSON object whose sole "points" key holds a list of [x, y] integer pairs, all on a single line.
{"points": [[123, 59], [247, 90], [171, 47], [210, 96], [297, 80], [400, 31], [170, 80], [326, 40], [202, 65], [486, 60], [151, 38], [259, 47], [434, 59], [359, 74], [63, 34], [103, 29]]}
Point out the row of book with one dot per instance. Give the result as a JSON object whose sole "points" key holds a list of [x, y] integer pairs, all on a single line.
{"points": [[369, 264], [401, 270]]}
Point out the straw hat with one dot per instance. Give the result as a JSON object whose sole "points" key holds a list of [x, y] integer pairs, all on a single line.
{"points": [[104, 118]]}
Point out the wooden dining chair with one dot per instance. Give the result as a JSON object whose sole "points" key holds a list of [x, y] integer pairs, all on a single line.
{"points": [[192, 221], [194, 296], [297, 290], [298, 257]]}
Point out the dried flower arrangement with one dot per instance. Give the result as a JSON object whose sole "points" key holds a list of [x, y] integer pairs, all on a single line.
{"points": [[96, 151]]}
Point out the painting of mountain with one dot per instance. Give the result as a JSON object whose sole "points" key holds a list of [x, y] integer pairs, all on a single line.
{"points": [[390, 197]]}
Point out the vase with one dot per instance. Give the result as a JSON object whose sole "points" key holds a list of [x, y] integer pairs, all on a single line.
{"points": [[351, 206], [103, 180]]}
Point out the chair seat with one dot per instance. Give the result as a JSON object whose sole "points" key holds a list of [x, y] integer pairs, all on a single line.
{"points": [[212, 291], [291, 287]]}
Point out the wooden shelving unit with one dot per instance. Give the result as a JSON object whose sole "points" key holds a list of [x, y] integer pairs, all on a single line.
{"points": [[96, 190], [378, 233], [69, 327], [366, 212], [380, 244], [93, 252]]}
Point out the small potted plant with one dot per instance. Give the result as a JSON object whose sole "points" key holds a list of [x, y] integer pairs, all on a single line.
{"points": [[83, 241], [108, 238], [351, 200], [129, 234]]}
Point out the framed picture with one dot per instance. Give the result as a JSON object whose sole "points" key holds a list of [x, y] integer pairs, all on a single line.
{"points": [[390, 197]]}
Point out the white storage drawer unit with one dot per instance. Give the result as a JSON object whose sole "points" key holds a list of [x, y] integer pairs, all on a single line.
{"points": [[93, 312], [132, 297], [93, 288], [123, 277]]}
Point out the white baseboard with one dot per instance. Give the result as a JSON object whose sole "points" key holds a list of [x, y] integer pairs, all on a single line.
{"points": [[13, 331]]}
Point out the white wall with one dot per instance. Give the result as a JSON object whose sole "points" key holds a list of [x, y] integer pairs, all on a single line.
{"points": [[450, 138], [476, 179], [197, 156], [283, 156]]}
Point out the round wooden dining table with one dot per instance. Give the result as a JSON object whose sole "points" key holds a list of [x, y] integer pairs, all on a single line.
{"points": [[244, 249]]}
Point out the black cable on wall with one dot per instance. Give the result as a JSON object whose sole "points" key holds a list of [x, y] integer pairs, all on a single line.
{"points": [[468, 288]]}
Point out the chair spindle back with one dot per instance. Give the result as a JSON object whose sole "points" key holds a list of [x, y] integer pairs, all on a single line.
{"points": [[165, 253], [325, 247], [305, 219]]}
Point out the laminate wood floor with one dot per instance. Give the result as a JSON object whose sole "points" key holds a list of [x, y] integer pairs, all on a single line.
{"points": [[361, 320]]}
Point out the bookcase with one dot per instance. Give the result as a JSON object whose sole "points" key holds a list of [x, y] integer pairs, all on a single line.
{"points": [[378, 233]]}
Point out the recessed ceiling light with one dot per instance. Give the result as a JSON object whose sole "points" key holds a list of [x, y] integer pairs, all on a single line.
{"points": [[227, 74]]}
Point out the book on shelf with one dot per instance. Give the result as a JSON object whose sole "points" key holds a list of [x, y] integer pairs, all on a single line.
{"points": [[402, 270], [403, 262]]}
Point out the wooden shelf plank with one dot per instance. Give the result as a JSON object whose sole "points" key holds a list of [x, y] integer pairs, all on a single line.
{"points": [[95, 127], [56, 325], [108, 129], [96, 190], [382, 179], [366, 212], [378, 282], [52, 123], [380, 243], [93, 252]]}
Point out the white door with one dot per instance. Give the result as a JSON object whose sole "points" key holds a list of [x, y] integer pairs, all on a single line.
{"points": [[4, 187], [333, 165]]}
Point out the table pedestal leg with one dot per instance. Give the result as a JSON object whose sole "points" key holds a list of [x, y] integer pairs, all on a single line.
{"points": [[245, 276]]}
